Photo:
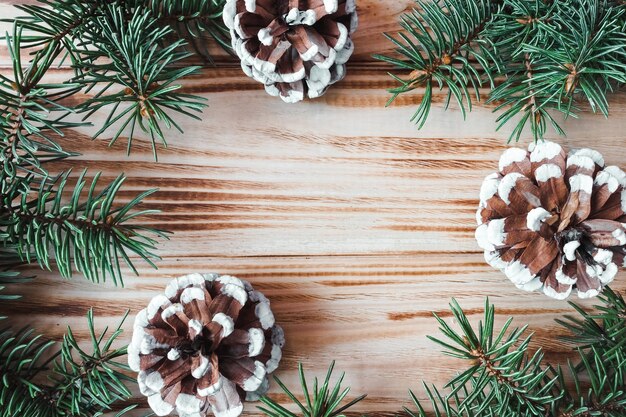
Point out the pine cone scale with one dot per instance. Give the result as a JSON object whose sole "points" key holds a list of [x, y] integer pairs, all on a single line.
{"points": [[554, 221]]}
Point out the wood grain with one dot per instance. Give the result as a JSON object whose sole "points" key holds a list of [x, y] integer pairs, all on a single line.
{"points": [[355, 224]]}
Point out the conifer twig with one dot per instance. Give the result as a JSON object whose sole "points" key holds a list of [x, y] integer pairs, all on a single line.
{"points": [[323, 400], [75, 382], [548, 57]]}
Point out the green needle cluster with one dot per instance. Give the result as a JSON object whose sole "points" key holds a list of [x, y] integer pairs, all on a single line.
{"points": [[41, 378], [538, 58]]}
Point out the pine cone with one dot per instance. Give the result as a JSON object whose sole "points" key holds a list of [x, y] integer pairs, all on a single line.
{"points": [[294, 47], [553, 221], [208, 343]]}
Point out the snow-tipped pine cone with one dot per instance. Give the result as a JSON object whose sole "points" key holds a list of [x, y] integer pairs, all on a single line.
{"points": [[296, 48], [554, 221], [208, 344]]}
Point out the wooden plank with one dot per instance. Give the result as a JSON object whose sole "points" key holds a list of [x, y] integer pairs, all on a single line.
{"points": [[353, 222]]}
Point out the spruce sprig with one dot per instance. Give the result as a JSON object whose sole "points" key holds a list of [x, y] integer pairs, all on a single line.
{"points": [[43, 379], [504, 379], [135, 78], [601, 331], [195, 21], [547, 57], [31, 111], [324, 400], [85, 230], [440, 45], [126, 55], [603, 392]]}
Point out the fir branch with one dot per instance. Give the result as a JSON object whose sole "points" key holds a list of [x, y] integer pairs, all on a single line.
{"points": [[195, 21], [80, 383], [88, 231], [30, 111], [439, 44], [518, 27], [502, 378], [552, 56], [57, 21], [601, 332], [323, 401], [118, 51], [137, 77], [9, 262], [606, 392]]}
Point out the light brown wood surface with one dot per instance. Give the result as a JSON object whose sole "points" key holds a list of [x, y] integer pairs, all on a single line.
{"points": [[354, 223]]}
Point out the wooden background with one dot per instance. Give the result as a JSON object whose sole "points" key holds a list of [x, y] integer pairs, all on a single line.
{"points": [[355, 224]]}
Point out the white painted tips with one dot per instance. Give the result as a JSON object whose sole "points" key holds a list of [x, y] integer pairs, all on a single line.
{"points": [[254, 381], [535, 217], [507, 184], [265, 36], [188, 404], [190, 294], [493, 259], [154, 381], [532, 285], [134, 361], [232, 411], [227, 323], [212, 389], [157, 303], [605, 178], [617, 173], [603, 256], [589, 293], [299, 17], [564, 279], [257, 341], [620, 236], [495, 232], [546, 171], [250, 5], [609, 274], [180, 283], [552, 293], [581, 182], [160, 407], [173, 354], [511, 156], [489, 187], [172, 310], [518, 273], [265, 315], [590, 153], [569, 249], [581, 161], [544, 150], [195, 327], [482, 238], [202, 369], [331, 6], [234, 288]]}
